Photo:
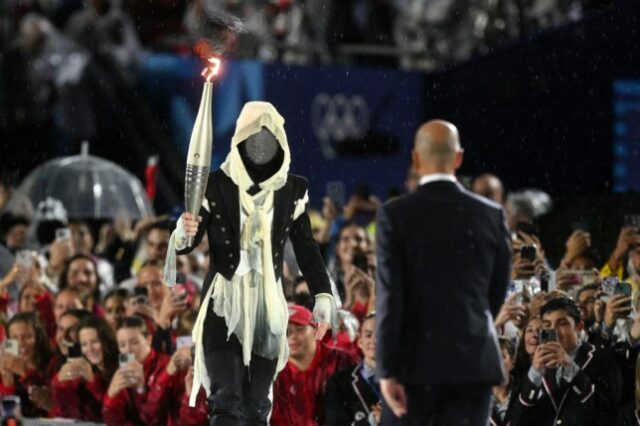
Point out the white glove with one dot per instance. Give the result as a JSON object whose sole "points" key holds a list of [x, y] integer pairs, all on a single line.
{"points": [[322, 310], [181, 235]]}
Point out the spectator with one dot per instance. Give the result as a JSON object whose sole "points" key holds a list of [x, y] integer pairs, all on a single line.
{"points": [[489, 186], [352, 239], [115, 306], [83, 242], [80, 385], [81, 272], [13, 232], [12, 202], [299, 389], [353, 395], [581, 383], [629, 415], [502, 394], [67, 299], [627, 250], [126, 400], [26, 374], [527, 345], [586, 298], [67, 332]]}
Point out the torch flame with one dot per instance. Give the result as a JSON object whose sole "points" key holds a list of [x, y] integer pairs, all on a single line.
{"points": [[212, 70]]}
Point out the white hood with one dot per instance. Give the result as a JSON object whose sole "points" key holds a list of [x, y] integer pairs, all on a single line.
{"points": [[253, 117]]}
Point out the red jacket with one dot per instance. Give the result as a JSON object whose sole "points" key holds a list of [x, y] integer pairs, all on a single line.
{"points": [[129, 407], [21, 388], [78, 399], [298, 395], [168, 394]]}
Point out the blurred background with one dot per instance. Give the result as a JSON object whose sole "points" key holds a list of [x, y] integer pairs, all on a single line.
{"points": [[545, 93]]}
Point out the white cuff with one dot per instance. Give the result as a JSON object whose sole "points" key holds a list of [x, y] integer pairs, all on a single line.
{"points": [[322, 308], [181, 235]]}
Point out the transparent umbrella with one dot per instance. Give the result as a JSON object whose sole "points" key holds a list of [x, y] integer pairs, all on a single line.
{"points": [[89, 187]]}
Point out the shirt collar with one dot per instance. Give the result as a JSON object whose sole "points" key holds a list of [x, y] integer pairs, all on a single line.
{"points": [[434, 177], [367, 371]]}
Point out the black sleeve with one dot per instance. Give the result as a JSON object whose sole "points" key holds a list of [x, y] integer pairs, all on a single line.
{"points": [[501, 267], [336, 412], [308, 255]]}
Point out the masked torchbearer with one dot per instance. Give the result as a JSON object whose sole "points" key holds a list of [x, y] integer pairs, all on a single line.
{"points": [[251, 206]]}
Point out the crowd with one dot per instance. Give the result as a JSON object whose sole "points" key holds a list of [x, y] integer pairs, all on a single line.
{"points": [[90, 331]]}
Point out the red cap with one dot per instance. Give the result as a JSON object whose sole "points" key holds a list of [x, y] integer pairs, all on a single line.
{"points": [[301, 315]]}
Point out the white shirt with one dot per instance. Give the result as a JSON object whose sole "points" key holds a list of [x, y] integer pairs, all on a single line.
{"points": [[437, 177]]}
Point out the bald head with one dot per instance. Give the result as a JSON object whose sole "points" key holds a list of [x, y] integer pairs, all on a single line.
{"points": [[437, 148], [489, 186]]}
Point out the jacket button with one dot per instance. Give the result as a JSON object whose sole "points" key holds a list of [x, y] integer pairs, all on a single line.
{"points": [[217, 216], [213, 204], [227, 242], [230, 255], [277, 254], [232, 266], [559, 422], [281, 241], [287, 229], [223, 229]]}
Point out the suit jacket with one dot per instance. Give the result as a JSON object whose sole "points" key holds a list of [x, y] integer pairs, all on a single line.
{"points": [[591, 399], [443, 269], [349, 398], [222, 224]]}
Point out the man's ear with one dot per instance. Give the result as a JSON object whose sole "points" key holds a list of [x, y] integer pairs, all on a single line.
{"points": [[415, 160], [458, 160], [580, 326]]}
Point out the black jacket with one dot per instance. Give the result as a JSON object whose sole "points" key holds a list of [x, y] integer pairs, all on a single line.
{"points": [[443, 269], [591, 399], [222, 224], [349, 397]]}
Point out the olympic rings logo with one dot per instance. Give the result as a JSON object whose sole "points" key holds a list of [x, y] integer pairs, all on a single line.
{"points": [[335, 118]]}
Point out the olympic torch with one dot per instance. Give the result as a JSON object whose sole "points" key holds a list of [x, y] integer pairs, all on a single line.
{"points": [[200, 147]]}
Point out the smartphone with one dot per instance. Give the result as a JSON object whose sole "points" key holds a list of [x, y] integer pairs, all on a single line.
{"points": [[528, 253], [546, 335], [10, 406], [527, 228], [335, 190], [63, 234], [184, 342], [361, 262], [141, 295], [124, 359], [25, 258], [75, 351], [516, 287], [11, 346], [580, 225], [609, 285], [624, 289]]}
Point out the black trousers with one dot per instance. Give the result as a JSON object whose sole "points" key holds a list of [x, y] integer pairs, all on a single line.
{"points": [[443, 405], [239, 395]]}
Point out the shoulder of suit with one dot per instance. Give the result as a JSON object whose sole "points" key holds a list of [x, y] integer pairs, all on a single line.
{"points": [[345, 374], [479, 199]]}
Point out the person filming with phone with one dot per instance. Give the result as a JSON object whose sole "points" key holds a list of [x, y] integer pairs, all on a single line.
{"points": [[570, 383], [140, 366]]}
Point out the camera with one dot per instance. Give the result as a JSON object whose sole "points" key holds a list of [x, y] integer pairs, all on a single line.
{"points": [[124, 359], [10, 406], [546, 335], [528, 253]]}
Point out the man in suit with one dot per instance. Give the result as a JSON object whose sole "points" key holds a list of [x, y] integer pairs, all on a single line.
{"points": [[252, 205], [443, 270]]}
